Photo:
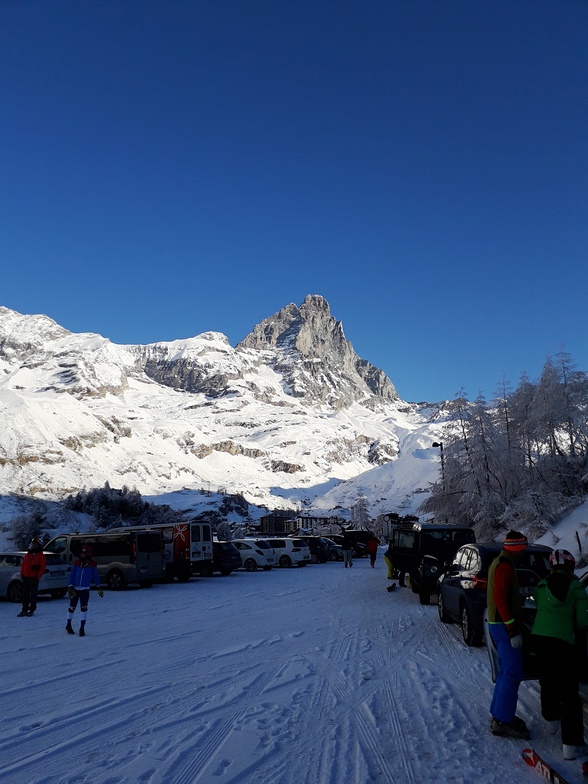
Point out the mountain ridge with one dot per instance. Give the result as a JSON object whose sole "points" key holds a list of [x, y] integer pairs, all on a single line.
{"points": [[288, 414]]}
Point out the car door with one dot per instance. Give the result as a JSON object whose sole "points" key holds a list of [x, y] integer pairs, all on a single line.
{"points": [[452, 581], [404, 555], [7, 570]]}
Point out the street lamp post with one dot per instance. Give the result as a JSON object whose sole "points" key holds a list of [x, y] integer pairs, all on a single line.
{"points": [[439, 445]]}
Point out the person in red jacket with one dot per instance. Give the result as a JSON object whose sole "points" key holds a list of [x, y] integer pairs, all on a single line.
{"points": [[504, 622], [32, 569], [372, 545]]}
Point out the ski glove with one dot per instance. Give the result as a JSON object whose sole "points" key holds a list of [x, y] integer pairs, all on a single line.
{"points": [[71, 592], [100, 592], [516, 641]]}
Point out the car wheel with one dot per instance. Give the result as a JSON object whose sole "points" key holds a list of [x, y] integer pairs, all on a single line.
{"points": [[250, 565], [115, 580], [59, 594], [471, 636], [14, 592], [332, 556], [443, 617], [285, 561], [314, 559]]}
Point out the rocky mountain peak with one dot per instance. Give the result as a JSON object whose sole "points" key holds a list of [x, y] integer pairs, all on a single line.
{"points": [[310, 350]]}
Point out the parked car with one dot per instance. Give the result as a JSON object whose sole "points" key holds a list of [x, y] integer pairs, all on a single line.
{"points": [[254, 555], [290, 552], [335, 550], [54, 581], [319, 549], [422, 550], [225, 559], [462, 588]]}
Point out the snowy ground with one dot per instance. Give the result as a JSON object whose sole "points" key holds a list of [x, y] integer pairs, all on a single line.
{"points": [[302, 676]]}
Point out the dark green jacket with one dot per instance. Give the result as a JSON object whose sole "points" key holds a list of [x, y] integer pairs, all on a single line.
{"points": [[562, 607]]}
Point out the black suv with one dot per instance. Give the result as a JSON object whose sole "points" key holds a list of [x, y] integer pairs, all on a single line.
{"points": [[225, 559], [422, 551], [319, 548], [462, 588]]}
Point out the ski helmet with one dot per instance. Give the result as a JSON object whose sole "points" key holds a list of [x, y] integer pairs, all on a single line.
{"points": [[562, 558]]}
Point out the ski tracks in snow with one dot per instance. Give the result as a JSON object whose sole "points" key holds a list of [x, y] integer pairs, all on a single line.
{"points": [[329, 680]]}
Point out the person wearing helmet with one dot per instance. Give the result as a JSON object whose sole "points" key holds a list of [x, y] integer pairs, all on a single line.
{"points": [[83, 573], [504, 621], [559, 636], [33, 567]]}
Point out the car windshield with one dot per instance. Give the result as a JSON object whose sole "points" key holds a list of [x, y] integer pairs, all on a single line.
{"points": [[446, 538]]}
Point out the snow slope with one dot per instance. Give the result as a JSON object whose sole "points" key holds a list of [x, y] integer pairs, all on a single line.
{"points": [[299, 676]]}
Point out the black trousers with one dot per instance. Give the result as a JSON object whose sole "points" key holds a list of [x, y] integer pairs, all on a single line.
{"points": [[559, 675], [30, 586]]}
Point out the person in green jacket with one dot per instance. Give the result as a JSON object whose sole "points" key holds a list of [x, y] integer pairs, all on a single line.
{"points": [[559, 638]]}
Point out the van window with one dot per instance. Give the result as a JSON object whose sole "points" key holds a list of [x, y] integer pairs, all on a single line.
{"points": [[206, 533], [104, 546], [149, 543], [404, 539], [58, 545], [195, 533]]}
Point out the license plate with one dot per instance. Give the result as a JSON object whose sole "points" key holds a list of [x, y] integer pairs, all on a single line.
{"points": [[56, 574]]}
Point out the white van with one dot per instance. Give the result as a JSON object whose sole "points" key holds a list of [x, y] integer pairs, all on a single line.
{"points": [[255, 554]]}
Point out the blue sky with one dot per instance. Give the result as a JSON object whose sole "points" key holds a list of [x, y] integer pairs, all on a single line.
{"points": [[173, 167]]}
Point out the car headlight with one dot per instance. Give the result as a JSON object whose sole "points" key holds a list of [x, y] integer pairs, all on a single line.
{"points": [[433, 569]]}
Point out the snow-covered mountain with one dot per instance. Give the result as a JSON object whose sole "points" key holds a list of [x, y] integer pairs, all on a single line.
{"points": [[291, 415]]}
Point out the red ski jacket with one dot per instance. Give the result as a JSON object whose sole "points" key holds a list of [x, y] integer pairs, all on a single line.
{"points": [[33, 565]]}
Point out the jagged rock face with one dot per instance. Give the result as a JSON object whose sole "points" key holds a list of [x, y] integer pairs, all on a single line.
{"points": [[311, 352]]}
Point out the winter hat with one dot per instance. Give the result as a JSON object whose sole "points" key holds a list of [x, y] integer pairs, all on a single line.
{"points": [[562, 558], [515, 542]]}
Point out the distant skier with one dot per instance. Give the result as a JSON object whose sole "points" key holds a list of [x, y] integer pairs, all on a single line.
{"points": [[393, 574], [84, 572], [33, 567], [347, 548], [372, 545]]}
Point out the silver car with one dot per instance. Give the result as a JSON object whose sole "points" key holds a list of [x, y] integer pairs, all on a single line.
{"points": [[53, 582]]}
